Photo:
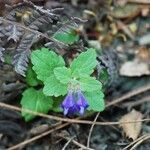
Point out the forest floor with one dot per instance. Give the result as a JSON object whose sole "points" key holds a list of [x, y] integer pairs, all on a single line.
{"points": [[120, 30]]}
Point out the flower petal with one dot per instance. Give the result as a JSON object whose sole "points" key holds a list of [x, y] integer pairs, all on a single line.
{"points": [[81, 103], [81, 110], [68, 103], [66, 111], [73, 110]]}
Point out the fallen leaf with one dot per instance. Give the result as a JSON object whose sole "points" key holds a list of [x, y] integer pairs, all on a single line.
{"points": [[144, 54], [135, 68], [145, 39], [128, 11], [132, 130], [39, 129], [145, 12]]}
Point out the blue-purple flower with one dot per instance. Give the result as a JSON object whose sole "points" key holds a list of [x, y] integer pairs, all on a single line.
{"points": [[68, 103], [74, 102], [81, 103]]}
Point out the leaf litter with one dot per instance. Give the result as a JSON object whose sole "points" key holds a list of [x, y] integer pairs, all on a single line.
{"points": [[117, 31]]}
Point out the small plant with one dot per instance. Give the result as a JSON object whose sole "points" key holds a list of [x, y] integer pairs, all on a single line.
{"points": [[53, 84], [70, 89]]}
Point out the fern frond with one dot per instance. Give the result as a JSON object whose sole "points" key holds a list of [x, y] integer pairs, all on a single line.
{"points": [[25, 24], [23, 52], [13, 32], [1, 54]]}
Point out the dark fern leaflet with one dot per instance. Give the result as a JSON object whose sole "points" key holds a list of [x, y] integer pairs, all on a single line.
{"points": [[109, 60], [25, 24]]}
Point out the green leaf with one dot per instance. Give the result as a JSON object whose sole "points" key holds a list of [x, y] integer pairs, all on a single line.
{"points": [[57, 103], [44, 62], [63, 74], [31, 77], [8, 59], [53, 87], [36, 101], [90, 84], [104, 76], [95, 100], [67, 38], [84, 64]]}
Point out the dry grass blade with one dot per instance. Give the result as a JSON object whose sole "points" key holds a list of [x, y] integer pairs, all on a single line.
{"points": [[135, 141], [91, 129], [66, 119], [76, 143], [136, 103], [140, 141], [68, 142], [3, 105], [126, 96]]}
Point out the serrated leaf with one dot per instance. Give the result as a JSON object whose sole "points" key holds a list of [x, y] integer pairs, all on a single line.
{"points": [[44, 62], [31, 78], [21, 58], [36, 101], [53, 87], [95, 100], [67, 38], [63, 74], [90, 84], [84, 64]]}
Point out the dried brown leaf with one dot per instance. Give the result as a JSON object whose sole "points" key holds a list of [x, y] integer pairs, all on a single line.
{"points": [[135, 68], [128, 11], [132, 130]]}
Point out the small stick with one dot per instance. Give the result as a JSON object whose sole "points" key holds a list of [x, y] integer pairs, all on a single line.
{"points": [[76, 143], [138, 139], [67, 119], [136, 103], [139, 142], [68, 142], [128, 95], [91, 129], [37, 137], [125, 97], [135, 92]]}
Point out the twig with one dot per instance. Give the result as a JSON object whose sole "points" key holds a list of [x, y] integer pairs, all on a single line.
{"points": [[139, 142], [68, 142], [66, 119], [37, 137], [76, 143], [112, 126], [128, 95], [91, 129], [125, 97], [138, 139], [136, 103], [3, 105]]}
